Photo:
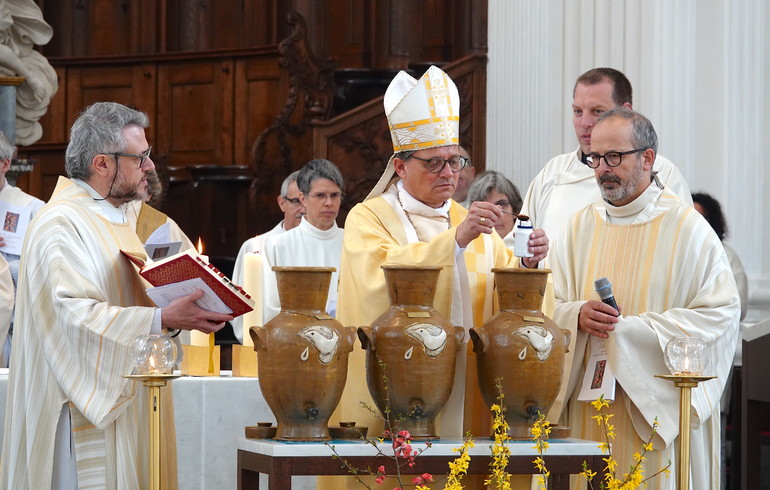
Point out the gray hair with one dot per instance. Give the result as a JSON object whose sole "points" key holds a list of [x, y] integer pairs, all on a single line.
{"points": [[6, 148], [404, 155], [642, 133], [288, 180], [489, 181], [99, 129], [318, 169]]}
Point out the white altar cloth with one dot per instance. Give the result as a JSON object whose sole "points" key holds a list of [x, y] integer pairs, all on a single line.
{"points": [[210, 415]]}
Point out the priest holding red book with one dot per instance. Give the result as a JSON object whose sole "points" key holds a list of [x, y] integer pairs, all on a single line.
{"points": [[71, 417]]}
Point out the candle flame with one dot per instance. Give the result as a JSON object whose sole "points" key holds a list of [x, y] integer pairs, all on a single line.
{"points": [[153, 369], [200, 246]]}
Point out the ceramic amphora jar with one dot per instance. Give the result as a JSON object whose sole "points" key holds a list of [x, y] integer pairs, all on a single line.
{"points": [[302, 355], [522, 347], [410, 351]]}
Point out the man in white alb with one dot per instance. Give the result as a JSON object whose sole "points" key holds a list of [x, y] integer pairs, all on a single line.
{"points": [[670, 277], [292, 209], [317, 241], [566, 184], [72, 419]]}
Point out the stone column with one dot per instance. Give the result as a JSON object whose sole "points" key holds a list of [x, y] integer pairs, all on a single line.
{"points": [[8, 106]]}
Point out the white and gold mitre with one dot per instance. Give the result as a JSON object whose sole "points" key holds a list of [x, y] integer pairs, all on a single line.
{"points": [[422, 113]]}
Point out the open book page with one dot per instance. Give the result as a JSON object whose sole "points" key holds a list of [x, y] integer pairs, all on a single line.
{"points": [[162, 296]]}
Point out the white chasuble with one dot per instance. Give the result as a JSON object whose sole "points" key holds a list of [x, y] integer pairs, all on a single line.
{"points": [[670, 277], [80, 306]]}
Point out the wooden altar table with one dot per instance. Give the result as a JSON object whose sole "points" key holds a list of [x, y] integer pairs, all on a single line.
{"points": [[282, 460]]}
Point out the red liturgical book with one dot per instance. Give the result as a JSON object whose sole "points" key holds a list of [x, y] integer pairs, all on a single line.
{"points": [[189, 265]]}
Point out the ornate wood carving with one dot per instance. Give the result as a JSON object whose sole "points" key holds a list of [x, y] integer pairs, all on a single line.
{"points": [[263, 106], [284, 146]]}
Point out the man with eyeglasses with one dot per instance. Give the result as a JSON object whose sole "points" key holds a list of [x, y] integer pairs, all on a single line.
{"points": [[410, 218], [293, 210], [566, 183], [316, 241], [670, 277], [23, 207], [81, 304]]}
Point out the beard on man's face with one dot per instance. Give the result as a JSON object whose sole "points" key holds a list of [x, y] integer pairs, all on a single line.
{"points": [[622, 191], [124, 192]]}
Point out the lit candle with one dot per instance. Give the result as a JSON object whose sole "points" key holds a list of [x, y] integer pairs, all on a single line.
{"points": [[200, 250], [153, 368], [198, 338], [252, 284]]}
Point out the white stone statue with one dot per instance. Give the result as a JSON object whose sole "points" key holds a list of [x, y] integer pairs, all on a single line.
{"points": [[21, 28]]}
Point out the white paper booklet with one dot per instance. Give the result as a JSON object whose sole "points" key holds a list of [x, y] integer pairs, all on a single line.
{"points": [[162, 296], [159, 244], [15, 223], [598, 379]]}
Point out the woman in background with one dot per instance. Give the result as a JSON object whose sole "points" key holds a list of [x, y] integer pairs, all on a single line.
{"points": [[494, 187]]}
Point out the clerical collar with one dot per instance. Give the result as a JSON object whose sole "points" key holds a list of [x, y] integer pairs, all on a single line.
{"points": [[102, 206], [646, 199], [412, 205], [309, 228]]}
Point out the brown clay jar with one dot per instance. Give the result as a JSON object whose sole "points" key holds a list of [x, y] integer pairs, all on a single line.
{"points": [[410, 352], [302, 355], [522, 347]]}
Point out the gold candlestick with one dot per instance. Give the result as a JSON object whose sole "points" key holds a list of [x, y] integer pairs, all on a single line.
{"points": [[154, 382], [685, 383]]}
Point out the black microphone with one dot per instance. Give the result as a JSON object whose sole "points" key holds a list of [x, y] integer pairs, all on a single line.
{"points": [[604, 288]]}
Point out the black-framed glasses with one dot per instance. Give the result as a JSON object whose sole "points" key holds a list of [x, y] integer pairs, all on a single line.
{"points": [[611, 158], [141, 156], [293, 200], [435, 165]]}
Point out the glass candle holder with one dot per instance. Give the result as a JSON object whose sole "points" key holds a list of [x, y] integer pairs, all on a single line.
{"points": [[687, 356], [156, 354]]}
